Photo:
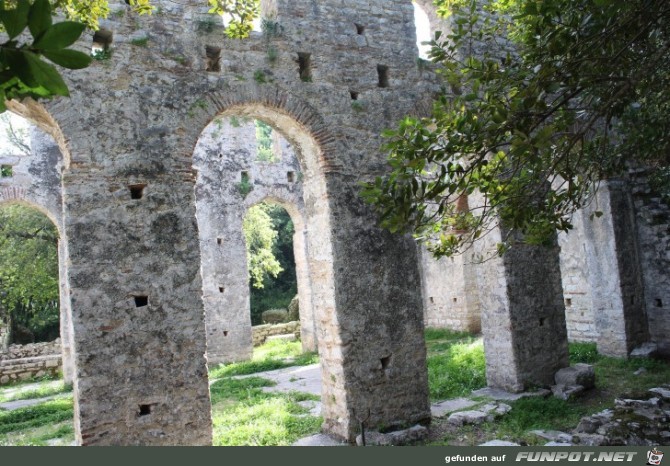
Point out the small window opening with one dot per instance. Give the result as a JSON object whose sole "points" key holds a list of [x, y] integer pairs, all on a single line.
{"points": [[219, 241], [137, 191], [213, 55], [542, 319], [222, 289], [145, 410], [455, 300], [360, 29], [383, 74], [290, 177], [568, 302], [305, 64], [225, 333], [6, 171], [354, 95], [658, 302], [102, 41], [632, 299], [141, 301]]}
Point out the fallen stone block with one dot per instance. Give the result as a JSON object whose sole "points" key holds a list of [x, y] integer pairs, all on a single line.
{"points": [[646, 350], [567, 392], [662, 392], [449, 406], [553, 435], [591, 440], [467, 417], [579, 374], [398, 437], [499, 443]]}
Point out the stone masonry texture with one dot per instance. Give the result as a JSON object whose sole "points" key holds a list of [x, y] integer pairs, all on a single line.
{"points": [[146, 182]]}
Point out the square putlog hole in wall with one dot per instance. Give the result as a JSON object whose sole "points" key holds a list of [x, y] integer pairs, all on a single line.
{"points": [[213, 55], [658, 302], [383, 75], [360, 29], [568, 302], [354, 95], [141, 301], [305, 66], [219, 241], [290, 177], [102, 41], [144, 410], [137, 191]]}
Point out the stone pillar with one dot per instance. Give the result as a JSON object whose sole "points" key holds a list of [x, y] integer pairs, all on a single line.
{"points": [[65, 314], [4, 333], [137, 314], [307, 321], [653, 233], [615, 273], [225, 283], [371, 344], [523, 316]]}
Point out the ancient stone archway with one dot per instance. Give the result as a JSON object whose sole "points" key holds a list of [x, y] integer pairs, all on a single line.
{"points": [[36, 182], [230, 180]]}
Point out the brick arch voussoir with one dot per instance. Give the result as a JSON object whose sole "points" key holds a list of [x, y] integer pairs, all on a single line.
{"points": [[271, 97]]}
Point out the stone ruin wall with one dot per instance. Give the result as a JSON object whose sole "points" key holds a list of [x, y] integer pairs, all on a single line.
{"points": [[32, 350], [231, 179], [260, 333], [131, 125], [336, 75], [34, 360], [652, 217]]}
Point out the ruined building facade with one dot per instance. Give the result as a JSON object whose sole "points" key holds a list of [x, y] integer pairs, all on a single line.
{"points": [[149, 210]]}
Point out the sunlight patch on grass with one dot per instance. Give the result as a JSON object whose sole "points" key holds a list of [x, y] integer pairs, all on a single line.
{"points": [[456, 369], [270, 356]]}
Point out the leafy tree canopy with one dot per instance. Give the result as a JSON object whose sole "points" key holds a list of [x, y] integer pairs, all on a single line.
{"points": [[29, 270], [261, 237], [580, 90]]}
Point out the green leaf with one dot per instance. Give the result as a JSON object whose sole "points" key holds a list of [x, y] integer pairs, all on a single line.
{"points": [[3, 107], [60, 35], [71, 59], [19, 66], [39, 19], [46, 75], [15, 20]]}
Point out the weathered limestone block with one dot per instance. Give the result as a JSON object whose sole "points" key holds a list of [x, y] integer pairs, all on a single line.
{"points": [[579, 374], [395, 438]]}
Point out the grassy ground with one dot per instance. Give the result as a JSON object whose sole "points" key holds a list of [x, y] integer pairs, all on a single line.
{"points": [[614, 378], [456, 364], [244, 414]]}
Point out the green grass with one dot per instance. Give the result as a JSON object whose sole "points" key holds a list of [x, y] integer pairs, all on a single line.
{"points": [[583, 353], [614, 378], [270, 356], [456, 364], [243, 414], [49, 412], [41, 392], [140, 42]]}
